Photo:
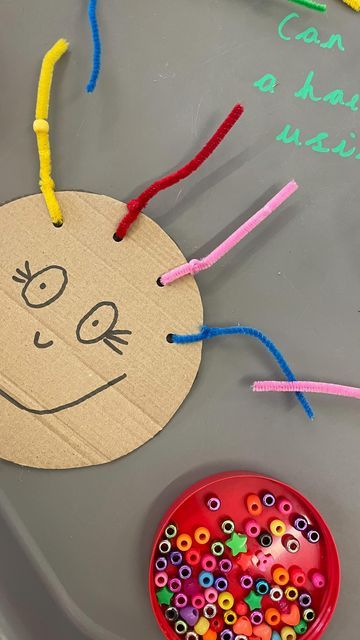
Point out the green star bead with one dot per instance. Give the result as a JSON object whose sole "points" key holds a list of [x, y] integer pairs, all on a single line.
{"points": [[253, 600], [164, 596], [237, 543]]}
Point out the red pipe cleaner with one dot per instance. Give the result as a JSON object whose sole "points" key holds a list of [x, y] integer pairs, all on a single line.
{"points": [[136, 205]]}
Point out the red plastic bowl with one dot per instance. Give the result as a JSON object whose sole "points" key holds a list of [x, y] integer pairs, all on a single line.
{"points": [[190, 511]]}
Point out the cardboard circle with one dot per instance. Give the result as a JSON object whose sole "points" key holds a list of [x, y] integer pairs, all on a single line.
{"points": [[68, 397]]}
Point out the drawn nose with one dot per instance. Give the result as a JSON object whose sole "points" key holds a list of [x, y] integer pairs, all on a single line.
{"points": [[39, 344]]}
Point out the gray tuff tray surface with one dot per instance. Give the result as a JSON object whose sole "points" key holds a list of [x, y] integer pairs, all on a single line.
{"points": [[74, 545]]}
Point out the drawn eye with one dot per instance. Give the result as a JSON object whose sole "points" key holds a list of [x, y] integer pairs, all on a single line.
{"points": [[99, 324], [43, 287]]}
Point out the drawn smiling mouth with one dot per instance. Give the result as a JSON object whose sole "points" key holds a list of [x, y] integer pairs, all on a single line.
{"points": [[62, 407]]}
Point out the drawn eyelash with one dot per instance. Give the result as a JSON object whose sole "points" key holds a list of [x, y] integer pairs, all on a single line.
{"points": [[113, 336], [22, 276]]}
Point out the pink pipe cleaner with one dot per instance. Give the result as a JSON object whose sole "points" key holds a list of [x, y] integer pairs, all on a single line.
{"points": [[194, 266], [308, 387]]}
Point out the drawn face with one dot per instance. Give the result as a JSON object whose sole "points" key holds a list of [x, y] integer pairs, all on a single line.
{"points": [[86, 373]]}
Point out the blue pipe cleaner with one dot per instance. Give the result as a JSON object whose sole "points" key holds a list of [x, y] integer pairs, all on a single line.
{"points": [[212, 332], [96, 44]]}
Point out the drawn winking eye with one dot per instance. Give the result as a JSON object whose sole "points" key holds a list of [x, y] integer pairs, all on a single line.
{"points": [[99, 324], [43, 287]]}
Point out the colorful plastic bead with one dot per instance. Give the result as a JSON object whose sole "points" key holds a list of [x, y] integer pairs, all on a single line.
{"points": [[241, 608], [262, 587], [305, 600], [230, 618], [291, 594], [192, 557], [164, 546], [292, 617], [164, 596], [309, 615], [280, 576], [263, 631], [191, 635], [211, 595], [268, 499], [297, 576], [291, 544], [161, 564], [253, 505], [198, 601], [210, 611], [210, 635], [228, 526], [225, 565], [243, 626], [313, 536], [191, 587], [181, 600], [244, 560], [217, 548], [208, 562], [301, 628], [202, 626], [275, 635], [272, 617], [253, 600], [183, 542], [252, 529], [217, 624], [246, 582], [170, 531], [301, 523], [161, 578], [227, 634], [265, 539], [277, 528], [263, 560], [190, 615], [287, 633], [276, 594], [237, 543], [171, 614], [181, 627], [226, 600], [176, 558], [202, 535], [256, 617], [284, 506], [318, 580], [242, 637], [221, 584], [185, 572], [175, 585], [206, 579], [213, 503]]}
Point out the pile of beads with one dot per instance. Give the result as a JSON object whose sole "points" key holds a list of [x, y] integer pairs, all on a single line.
{"points": [[238, 569]]}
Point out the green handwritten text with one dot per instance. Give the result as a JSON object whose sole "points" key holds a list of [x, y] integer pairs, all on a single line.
{"points": [[310, 35], [334, 97], [292, 135], [267, 83]]}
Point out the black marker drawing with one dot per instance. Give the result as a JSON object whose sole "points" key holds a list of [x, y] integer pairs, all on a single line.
{"points": [[106, 315], [43, 287], [41, 345], [68, 405], [98, 324]]}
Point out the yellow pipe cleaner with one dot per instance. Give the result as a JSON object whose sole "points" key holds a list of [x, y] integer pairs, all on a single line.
{"points": [[41, 128], [354, 4]]}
